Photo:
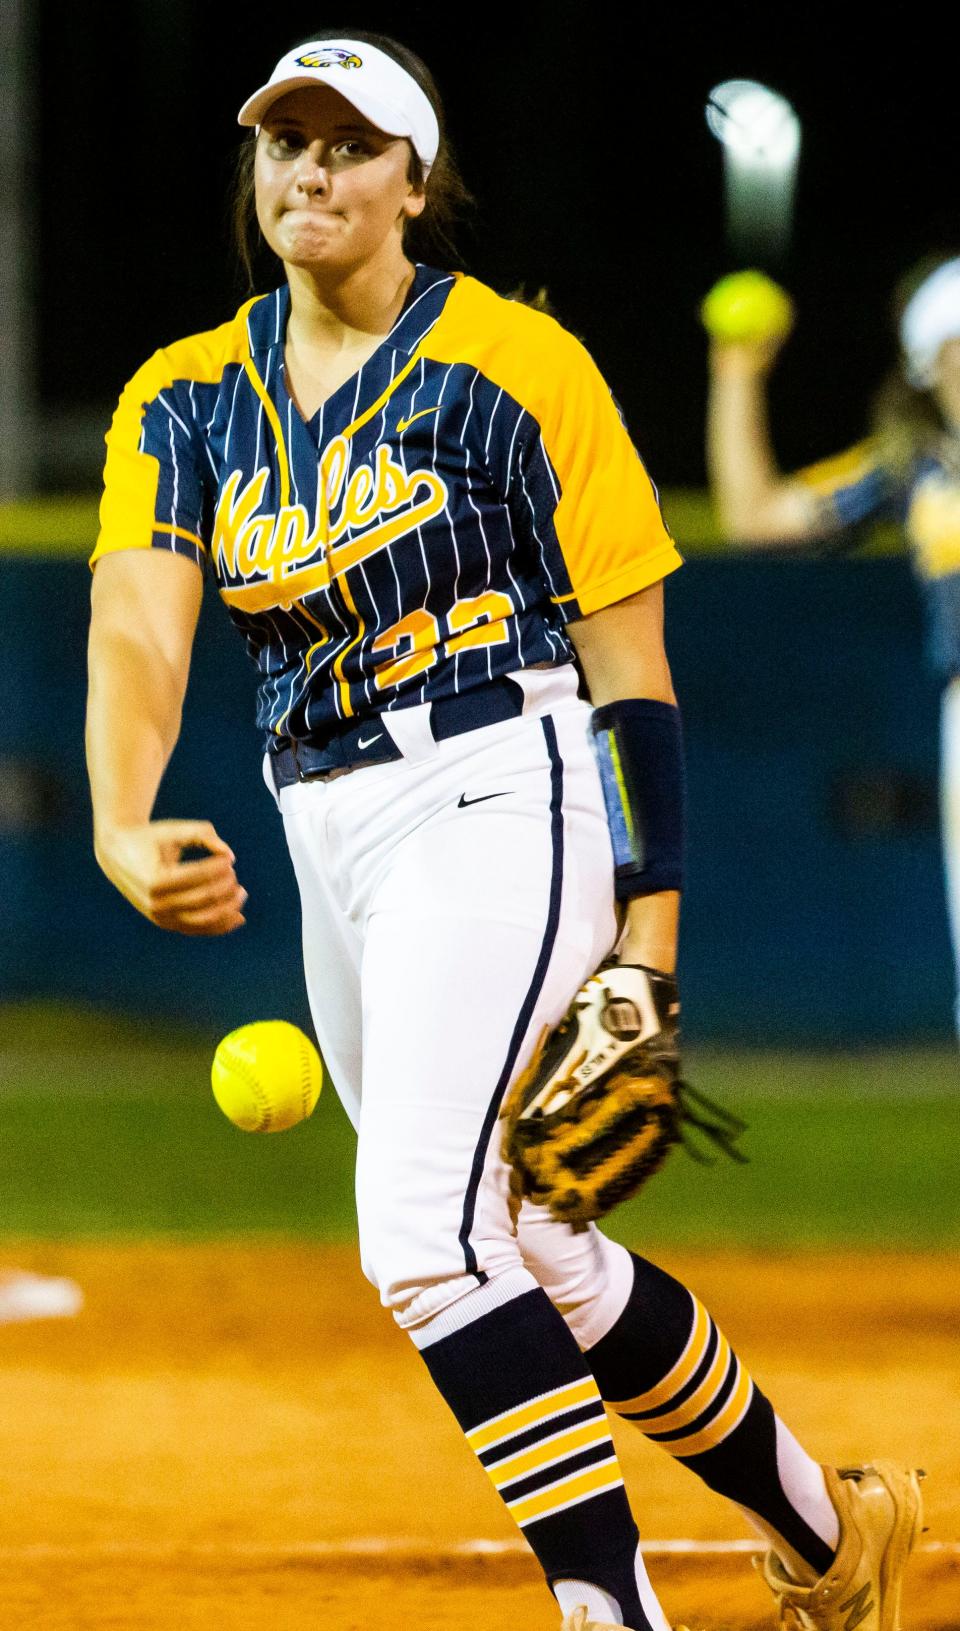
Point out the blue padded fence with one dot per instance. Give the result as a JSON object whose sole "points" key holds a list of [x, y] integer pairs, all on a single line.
{"points": [[814, 910]]}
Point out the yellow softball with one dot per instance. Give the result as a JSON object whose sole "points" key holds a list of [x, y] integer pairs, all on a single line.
{"points": [[267, 1076], [747, 306]]}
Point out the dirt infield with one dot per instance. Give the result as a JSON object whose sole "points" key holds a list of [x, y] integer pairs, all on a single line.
{"points": [[235, 1439]]}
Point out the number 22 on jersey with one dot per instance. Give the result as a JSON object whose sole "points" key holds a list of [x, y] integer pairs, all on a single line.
{"points": [[477, 620]]}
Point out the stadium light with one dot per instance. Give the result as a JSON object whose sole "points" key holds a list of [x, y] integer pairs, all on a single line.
{"points": [[760, 135]]}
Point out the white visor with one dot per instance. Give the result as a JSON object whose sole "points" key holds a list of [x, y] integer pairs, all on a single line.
{"points": [[931, 317], [371, 81]]}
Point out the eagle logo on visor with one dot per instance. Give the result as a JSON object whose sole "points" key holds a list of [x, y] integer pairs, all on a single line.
{"points": [[332, 58]]}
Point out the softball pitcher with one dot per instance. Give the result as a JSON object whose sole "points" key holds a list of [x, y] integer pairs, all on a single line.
{"points": [[419, 504]]}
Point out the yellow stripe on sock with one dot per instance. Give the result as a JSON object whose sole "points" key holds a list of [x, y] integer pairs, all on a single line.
{"points": [[527, 1415], [578, 1487], [555, 1448], [699, 1399], [682, 1371], [723, 1424]]}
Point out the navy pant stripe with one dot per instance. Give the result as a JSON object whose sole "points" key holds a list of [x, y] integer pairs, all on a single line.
{"points": [[529, 1001]]}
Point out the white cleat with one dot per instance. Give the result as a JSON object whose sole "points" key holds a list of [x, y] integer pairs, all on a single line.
{"points": [[37, 1297]]}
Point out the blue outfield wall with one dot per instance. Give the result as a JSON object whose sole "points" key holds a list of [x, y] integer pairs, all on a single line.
{"points": [[814, 910]]}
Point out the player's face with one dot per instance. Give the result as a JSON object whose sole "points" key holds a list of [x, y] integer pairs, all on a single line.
{"points": [[331, 189], [947, 383]]}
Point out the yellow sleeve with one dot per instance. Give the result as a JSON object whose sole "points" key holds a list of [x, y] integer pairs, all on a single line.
{"points": [[610, 536], [154, 493], [852, 486], [578, 487], [157, 479]]}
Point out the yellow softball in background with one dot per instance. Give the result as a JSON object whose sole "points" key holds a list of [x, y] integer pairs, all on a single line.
{"points": [[267, 1076], [747, 306]]}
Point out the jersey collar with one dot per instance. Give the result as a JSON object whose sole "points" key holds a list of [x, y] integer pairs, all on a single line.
{"points": [[426, 298]]}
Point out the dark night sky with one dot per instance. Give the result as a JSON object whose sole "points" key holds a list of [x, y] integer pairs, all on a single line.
{"points": [[581, 132]]}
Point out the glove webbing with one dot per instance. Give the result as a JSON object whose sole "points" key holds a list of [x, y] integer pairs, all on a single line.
{"points": [[717, 1124]]}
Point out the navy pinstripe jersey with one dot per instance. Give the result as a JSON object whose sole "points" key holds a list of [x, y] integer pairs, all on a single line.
{"points": [[855, 487], [444, 514]]}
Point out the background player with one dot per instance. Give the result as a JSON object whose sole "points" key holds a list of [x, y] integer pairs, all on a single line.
{"points": [[908, 468], [419, 501]]}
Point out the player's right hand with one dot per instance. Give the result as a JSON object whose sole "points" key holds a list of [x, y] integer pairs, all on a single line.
{"points": [[743, 359], [196, 897], [748, 318]]}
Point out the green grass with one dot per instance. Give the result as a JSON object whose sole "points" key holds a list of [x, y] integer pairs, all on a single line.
{"points": [[107, 1130]]}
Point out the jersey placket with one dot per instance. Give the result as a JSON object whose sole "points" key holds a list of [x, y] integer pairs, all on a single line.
{"points": [[318, 471]]}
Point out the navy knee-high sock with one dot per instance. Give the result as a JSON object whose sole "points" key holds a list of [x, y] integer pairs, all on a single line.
{"points": [[667, 1367], [530, 1409]]}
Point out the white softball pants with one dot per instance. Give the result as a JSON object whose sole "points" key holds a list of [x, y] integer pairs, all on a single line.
{"points": [[453, 900]]}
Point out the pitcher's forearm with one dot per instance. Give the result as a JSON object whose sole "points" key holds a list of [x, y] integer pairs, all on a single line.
{"points": [[133, 721], [144, 610]]}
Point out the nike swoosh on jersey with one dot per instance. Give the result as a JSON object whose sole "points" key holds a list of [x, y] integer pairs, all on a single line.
{"points": [[465, 803], [404, 424], [365, 742]]}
